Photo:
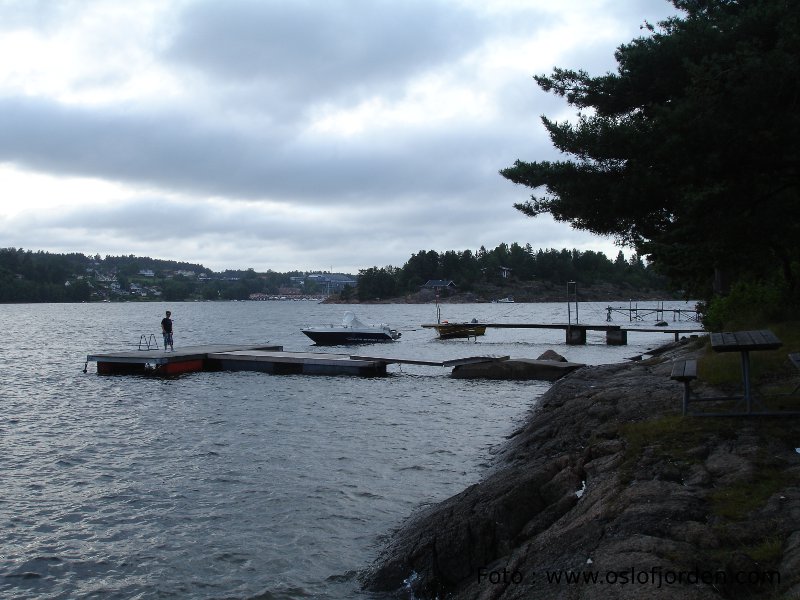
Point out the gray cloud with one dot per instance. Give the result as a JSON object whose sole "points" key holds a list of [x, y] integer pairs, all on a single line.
{"points": [[176, 152], [251, 75], [308, 50], [351, 239]]}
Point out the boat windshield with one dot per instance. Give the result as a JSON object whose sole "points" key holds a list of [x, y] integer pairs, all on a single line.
{"points": [[350, 320]]}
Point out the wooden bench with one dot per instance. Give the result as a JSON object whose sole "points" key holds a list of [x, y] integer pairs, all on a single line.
{"points": [[685, 371]]}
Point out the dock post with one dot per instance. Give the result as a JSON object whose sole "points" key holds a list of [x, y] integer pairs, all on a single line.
{"points": [[576, 336], [617, 337]]}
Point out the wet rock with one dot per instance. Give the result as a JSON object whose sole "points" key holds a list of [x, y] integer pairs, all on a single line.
{"points": [[552, 355], [729, 467], [572, 491], [516, 369]]}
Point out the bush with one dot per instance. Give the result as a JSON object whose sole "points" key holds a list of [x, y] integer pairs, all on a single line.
{"points": [[749, 305]]}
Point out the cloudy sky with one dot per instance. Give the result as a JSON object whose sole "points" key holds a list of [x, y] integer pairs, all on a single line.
{"points": [[287, 134]]}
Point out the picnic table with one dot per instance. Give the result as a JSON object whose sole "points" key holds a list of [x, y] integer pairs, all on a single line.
{"points": [[745, 342]]}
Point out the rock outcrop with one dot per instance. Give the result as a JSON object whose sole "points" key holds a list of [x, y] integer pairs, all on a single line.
{"points": [[606, 491], [516, 369]]}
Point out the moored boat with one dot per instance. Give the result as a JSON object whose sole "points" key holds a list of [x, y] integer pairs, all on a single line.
{"points": [[448, 330], [351, 331]]}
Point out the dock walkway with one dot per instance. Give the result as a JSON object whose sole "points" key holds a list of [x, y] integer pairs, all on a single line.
{"points": [[263, 358]]}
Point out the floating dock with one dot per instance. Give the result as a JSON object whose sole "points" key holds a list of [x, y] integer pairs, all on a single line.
{"points": [[616, 335], [263, 358], [184, 360]]}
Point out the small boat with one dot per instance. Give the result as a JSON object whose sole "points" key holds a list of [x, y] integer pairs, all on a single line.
{"points": [[351, 331], [506, 300], [448, 331]]}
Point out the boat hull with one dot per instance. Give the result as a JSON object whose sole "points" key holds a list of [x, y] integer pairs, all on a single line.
{"points": [[448, 331], [339, 338]]}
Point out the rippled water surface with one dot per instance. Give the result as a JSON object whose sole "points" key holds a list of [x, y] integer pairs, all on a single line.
{"points": [[240, 485]]}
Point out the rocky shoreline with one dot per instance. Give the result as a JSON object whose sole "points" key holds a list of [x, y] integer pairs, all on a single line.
{"points": [[607, 491]]}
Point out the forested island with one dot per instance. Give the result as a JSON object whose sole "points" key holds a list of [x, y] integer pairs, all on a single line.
{"points": [[482, 275]]}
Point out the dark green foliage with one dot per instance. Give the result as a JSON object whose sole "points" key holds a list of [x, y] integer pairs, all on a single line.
{"points": [[131, 265], [466, 269], [27, 276], [688, 153], [176, 290], [749, 305], [377, 283]]}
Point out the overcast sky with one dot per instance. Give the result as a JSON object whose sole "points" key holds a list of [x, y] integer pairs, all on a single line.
{"points": [[287, 134]]}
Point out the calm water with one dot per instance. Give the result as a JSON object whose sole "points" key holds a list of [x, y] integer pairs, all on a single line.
{"points": [[240, 485]]}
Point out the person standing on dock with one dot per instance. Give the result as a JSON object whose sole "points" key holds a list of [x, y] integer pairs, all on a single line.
{"points": [[166, 331]]}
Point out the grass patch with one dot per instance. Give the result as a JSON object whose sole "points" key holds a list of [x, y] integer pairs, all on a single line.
{"points": [[671, 437], [768, 552], [724, 369], [679, 440], [738, 500], [674, 435]]}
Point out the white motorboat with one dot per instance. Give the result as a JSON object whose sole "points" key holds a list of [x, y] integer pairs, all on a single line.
{"points": [[351, 331]]}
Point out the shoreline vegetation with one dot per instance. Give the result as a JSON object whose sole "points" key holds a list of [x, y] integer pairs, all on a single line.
{"points": [[482, 276], [606, 489], [520, 292]]}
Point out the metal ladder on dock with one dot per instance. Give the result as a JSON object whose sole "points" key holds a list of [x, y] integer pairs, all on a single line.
{"points": [[148, 343]]}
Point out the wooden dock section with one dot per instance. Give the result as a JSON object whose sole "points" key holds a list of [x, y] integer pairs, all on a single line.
{"points": [[298, 363], [616, 335], [184, 360], [263, 358], [436, 363], [677, 332]]}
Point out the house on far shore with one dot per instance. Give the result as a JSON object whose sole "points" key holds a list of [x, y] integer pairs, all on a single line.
{"points": [[330, 283], [439, 284]]}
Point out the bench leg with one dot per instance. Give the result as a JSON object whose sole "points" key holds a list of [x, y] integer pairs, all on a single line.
{"points": [[687, 392]]}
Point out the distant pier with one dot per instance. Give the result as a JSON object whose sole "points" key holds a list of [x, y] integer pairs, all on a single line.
{"points": [[616, 335], [636, 313]]}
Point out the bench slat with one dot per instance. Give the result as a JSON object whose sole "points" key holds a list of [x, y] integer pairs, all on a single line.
{"points": [[684, 370]]}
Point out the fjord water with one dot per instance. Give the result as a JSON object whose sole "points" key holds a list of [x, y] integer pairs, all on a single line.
{"points": [[241, 485]]}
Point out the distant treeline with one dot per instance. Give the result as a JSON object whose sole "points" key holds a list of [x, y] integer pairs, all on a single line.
{"points": [[37, 276], [506, 264], [28, 276]]}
